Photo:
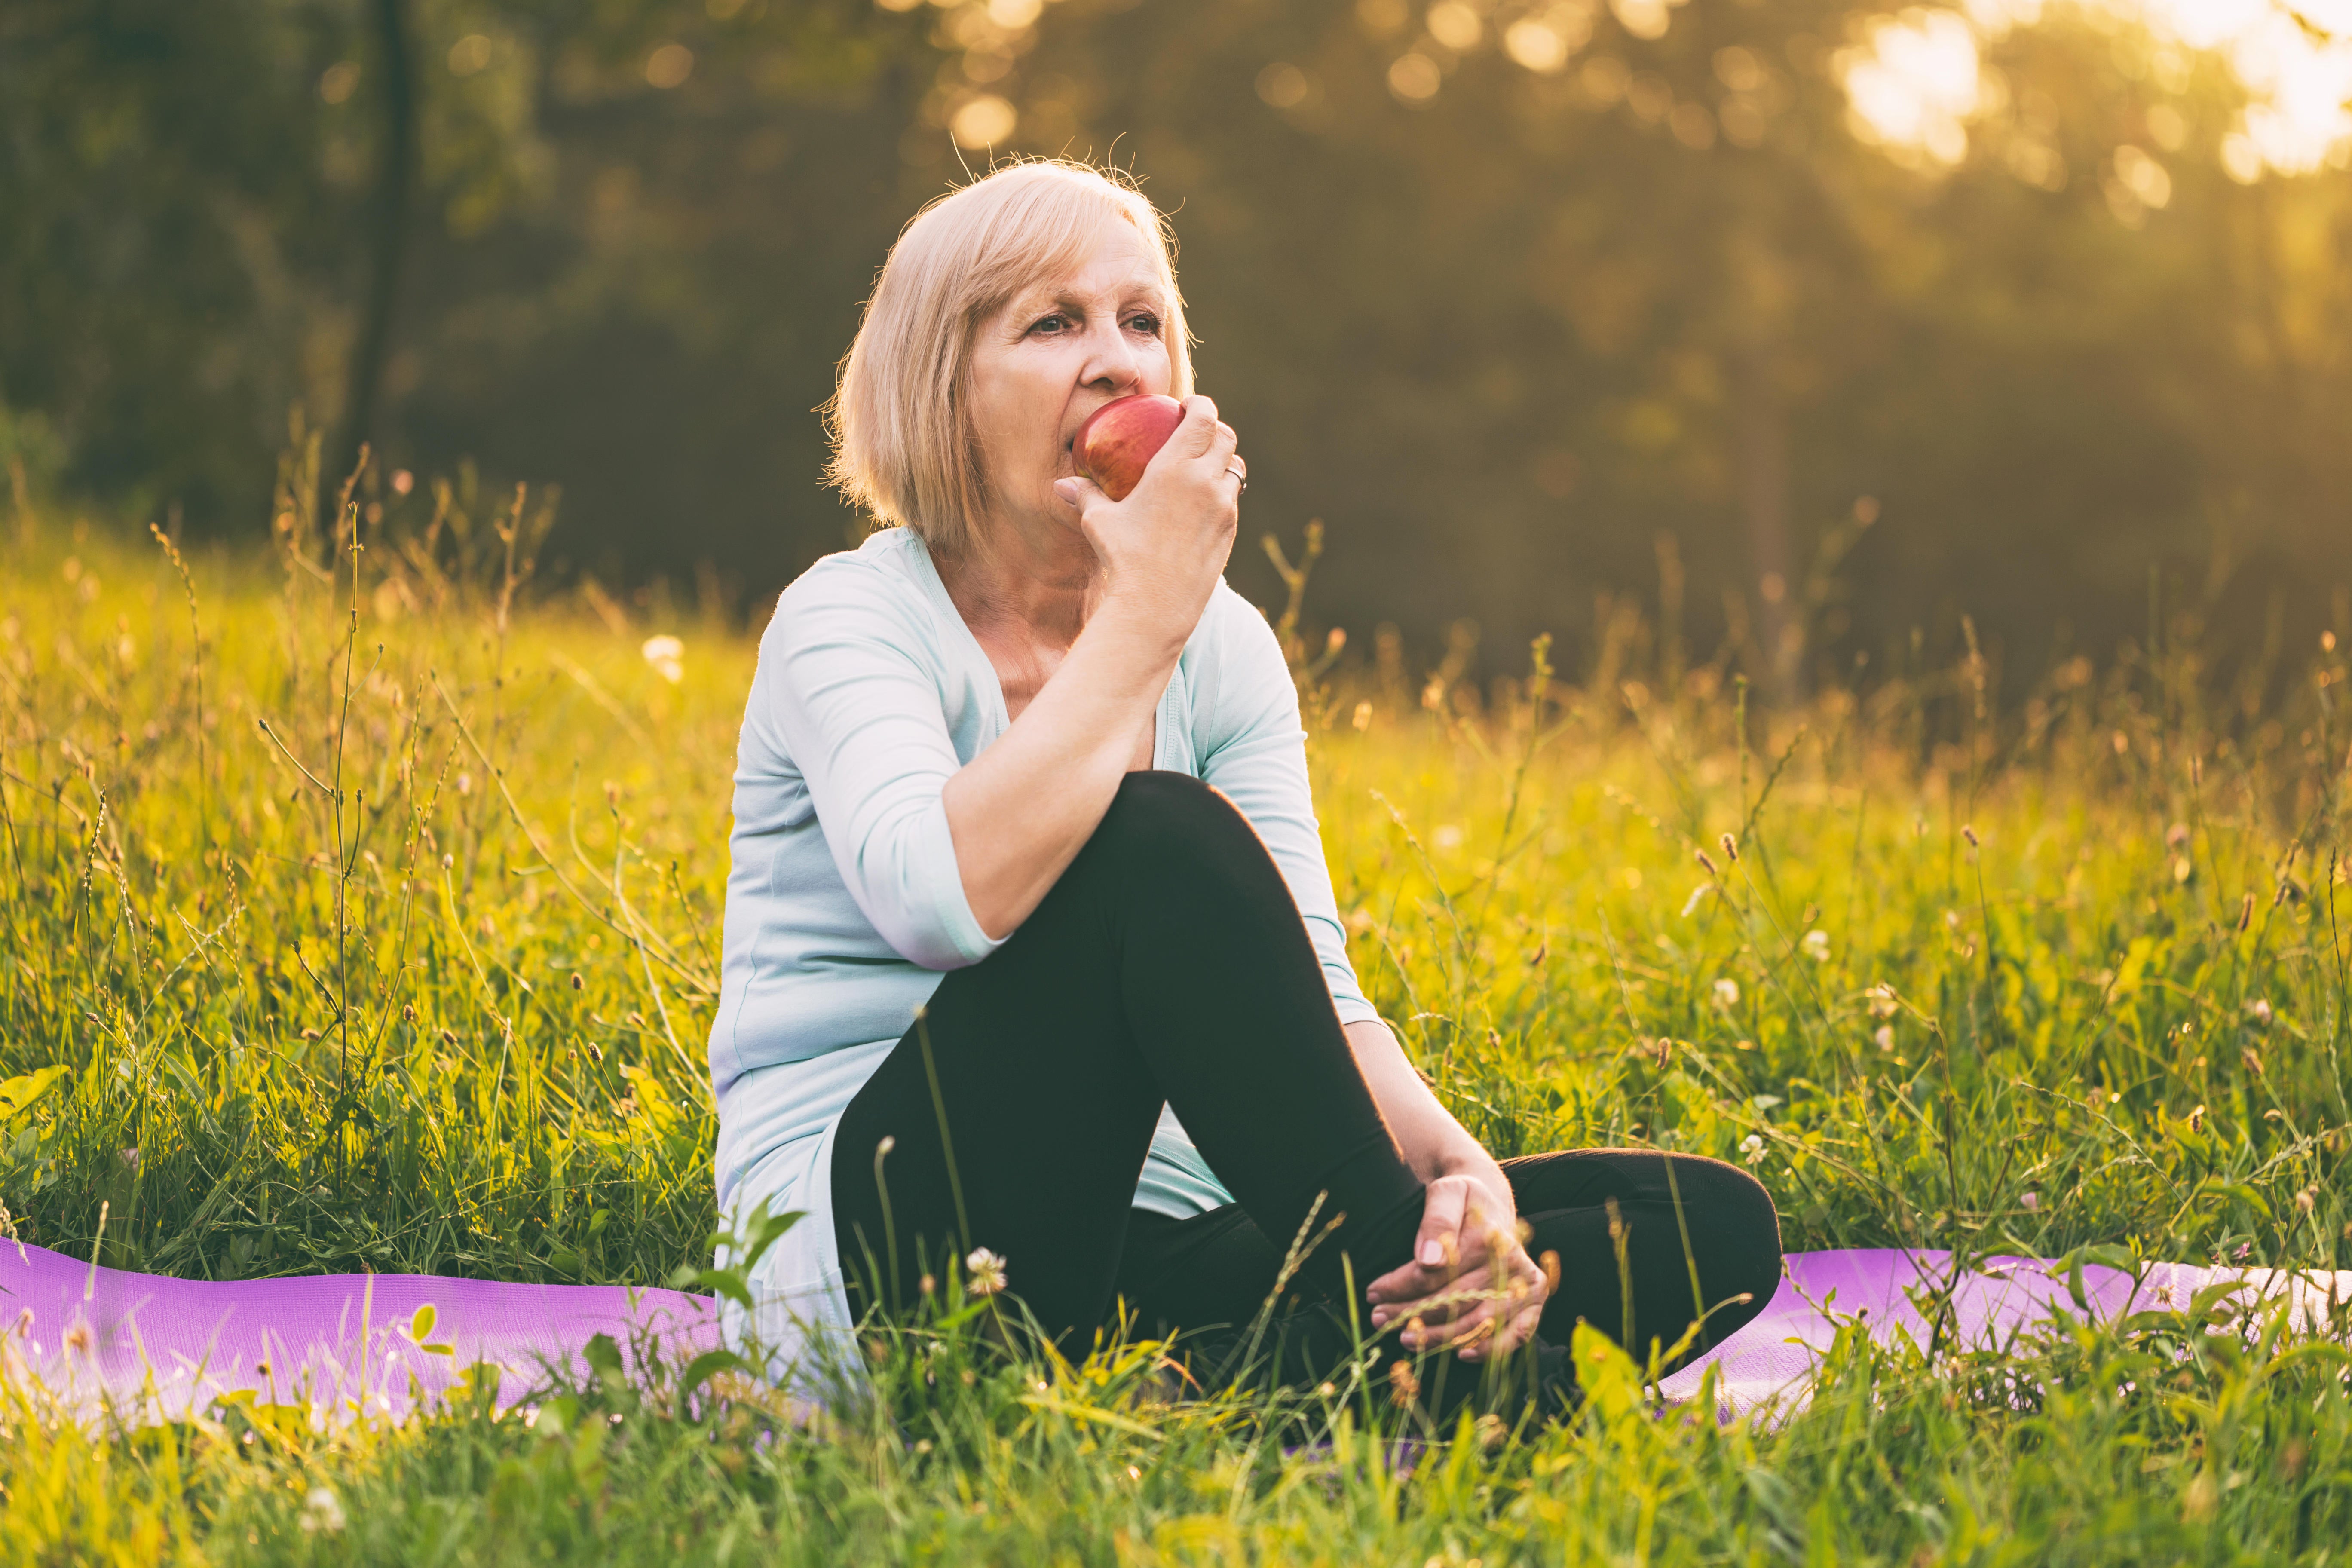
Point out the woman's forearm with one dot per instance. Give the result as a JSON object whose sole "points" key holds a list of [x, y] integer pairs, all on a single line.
{"points": [[1020, 811], [1433, 1142]]}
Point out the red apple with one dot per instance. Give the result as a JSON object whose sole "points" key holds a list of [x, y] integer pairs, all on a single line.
{"points": [[1119, 438]]}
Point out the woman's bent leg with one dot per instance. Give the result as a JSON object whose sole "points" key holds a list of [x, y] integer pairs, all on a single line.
{"points": [[1700, 1235], [1169, 962], [1215, 1272]]}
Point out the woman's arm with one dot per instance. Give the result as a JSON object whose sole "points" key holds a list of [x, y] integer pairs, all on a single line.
{"points": [[1021, 810], [1469, 1237]]}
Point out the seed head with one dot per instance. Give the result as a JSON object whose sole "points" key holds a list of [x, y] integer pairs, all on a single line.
{"points": [[78, 1339], [2197, 1119], [984, 1271], [2307, 1199], [1404, 1383], [1969, 834], [1731, 848], [1708, 863]]}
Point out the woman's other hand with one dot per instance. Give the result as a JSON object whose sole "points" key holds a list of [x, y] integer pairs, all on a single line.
{"points": [[1471, 1285], [1163, 549]]}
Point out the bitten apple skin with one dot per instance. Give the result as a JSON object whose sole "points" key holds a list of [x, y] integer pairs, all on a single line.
{"points": [[1119, 438]]}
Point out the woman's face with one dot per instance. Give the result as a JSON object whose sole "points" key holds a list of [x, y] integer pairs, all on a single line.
{"points": [[1061, 349]]}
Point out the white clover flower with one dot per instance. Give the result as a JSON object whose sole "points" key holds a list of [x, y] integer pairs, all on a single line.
{"points": [[668, 656], [2259, 1009], [1727, 992], [1752, 1149], [1816, 945], [1886, 1038], [984, 1271], [1882, 1001], [322, 1514]]}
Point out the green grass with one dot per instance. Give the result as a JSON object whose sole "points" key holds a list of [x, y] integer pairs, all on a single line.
{"points": [[416, 978]]}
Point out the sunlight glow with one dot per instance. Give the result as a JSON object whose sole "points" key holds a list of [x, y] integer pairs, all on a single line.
{"points": [[1917, 81]]}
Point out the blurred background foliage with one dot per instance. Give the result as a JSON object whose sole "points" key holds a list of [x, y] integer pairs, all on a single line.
{"points": [[1810, 324]]}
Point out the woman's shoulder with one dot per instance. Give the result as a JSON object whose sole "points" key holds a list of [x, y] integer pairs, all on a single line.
{"points": [[880, 581]]}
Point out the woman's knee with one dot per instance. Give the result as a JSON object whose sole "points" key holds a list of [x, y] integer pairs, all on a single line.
{"points": [[1171, 819]]}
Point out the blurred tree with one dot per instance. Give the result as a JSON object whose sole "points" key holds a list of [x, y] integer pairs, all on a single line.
{"points": [[1516, 293]]}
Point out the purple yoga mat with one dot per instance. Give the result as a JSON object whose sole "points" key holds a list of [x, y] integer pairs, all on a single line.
{"points": [[151, 1347], [1771, 1358], [148, 1347]]}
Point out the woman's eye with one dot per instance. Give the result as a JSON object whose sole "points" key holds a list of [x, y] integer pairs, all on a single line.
{"points": [[1147, 325], [1053, 324]]}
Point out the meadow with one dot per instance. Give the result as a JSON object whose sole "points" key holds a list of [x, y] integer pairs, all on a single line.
{"points": [[361, 912]]}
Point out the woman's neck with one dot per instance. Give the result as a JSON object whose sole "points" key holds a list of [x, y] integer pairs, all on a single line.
{"points": [[1021, 586]]}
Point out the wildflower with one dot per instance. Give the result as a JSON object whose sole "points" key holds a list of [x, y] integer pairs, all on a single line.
{"points": [[465, 783], [1752, 1149], [1404, 1383], [1886, 1038], [321, 1513], [2244, 1249], [668, 656], [2307, 1199], [1727, 992], [2031, 1203], [2176, 836], [131, 1156], [1816, 944], [1882, 1001], [986, 1271], [2259, 1009]]}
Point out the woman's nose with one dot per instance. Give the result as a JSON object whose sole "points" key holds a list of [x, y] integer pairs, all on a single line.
{"points": [[1111, 360]]}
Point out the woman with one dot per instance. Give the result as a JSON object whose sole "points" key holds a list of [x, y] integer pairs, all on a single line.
{"points": [[1030, 944]]}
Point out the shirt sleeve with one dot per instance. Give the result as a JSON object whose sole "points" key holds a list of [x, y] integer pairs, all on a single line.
{"points": [[854, 702], [1257, 757]]}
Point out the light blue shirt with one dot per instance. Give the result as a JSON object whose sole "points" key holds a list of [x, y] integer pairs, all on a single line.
{"points": [[844, 904]]}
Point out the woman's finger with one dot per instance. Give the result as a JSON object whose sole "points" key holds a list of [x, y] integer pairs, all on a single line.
{"points": [[1438, 1243], [1080, 491]]}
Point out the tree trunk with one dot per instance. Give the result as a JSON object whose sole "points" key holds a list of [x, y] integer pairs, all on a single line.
{"points": [[395, 192]]}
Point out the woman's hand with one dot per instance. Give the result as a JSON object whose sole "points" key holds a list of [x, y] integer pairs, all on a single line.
{"points": [[1163, 548], [1471, 1285]]}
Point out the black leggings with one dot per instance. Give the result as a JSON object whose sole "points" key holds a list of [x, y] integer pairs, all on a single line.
{"points": [[1168, 963]]}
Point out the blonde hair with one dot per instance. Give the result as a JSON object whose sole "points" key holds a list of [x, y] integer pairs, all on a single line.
{"points": [[900, 419]]}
